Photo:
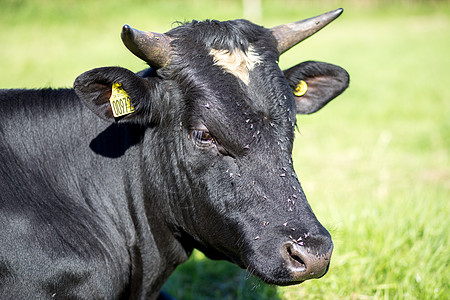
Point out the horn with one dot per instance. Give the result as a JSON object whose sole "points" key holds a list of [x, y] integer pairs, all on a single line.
{"points": [[151, 47], [289, 35]]}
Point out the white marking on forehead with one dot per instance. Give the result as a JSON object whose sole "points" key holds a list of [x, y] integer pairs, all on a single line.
{"points": [[238, 63]]}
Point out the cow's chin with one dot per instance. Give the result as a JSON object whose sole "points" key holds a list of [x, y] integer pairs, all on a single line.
{"points": [[276, 279], [275, 274]]}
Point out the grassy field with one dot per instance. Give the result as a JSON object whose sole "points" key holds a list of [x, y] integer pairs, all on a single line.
{"points": [[375, 164]]}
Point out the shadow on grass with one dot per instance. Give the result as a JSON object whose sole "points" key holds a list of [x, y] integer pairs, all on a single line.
{"points": [[202, 278]]}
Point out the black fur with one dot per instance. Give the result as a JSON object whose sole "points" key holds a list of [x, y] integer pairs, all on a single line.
{"points": [[104, 208]]}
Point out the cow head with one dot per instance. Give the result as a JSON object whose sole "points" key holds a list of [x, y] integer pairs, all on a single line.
{"points": [[223, 116]]}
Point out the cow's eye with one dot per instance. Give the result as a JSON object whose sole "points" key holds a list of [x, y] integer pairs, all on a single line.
{"points": [[202, 138]]}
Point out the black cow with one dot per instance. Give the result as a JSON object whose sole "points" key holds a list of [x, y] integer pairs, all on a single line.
{"points": [[107, 187]]}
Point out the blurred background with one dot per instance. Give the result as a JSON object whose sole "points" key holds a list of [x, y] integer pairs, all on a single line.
{"points": [[374, 163]]}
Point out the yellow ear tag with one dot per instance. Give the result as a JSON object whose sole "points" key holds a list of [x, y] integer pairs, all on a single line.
{"points": [[120, 101], [301, 88]]}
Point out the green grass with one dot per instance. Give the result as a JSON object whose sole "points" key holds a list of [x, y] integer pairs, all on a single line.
{"points": [[375, 164]]}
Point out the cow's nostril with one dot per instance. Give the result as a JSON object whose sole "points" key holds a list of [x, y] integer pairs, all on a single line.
{"points": [[301, 266]]}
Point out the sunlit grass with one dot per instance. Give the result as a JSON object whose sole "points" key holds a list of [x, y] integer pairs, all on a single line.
{"points": [[375, 164]]}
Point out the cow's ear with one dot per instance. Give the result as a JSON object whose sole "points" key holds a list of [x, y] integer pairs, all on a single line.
{"points": [[114, 94], [314, 84]]}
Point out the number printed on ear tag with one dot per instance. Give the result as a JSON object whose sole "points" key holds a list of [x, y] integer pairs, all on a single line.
{"points": [[120, 101]]}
